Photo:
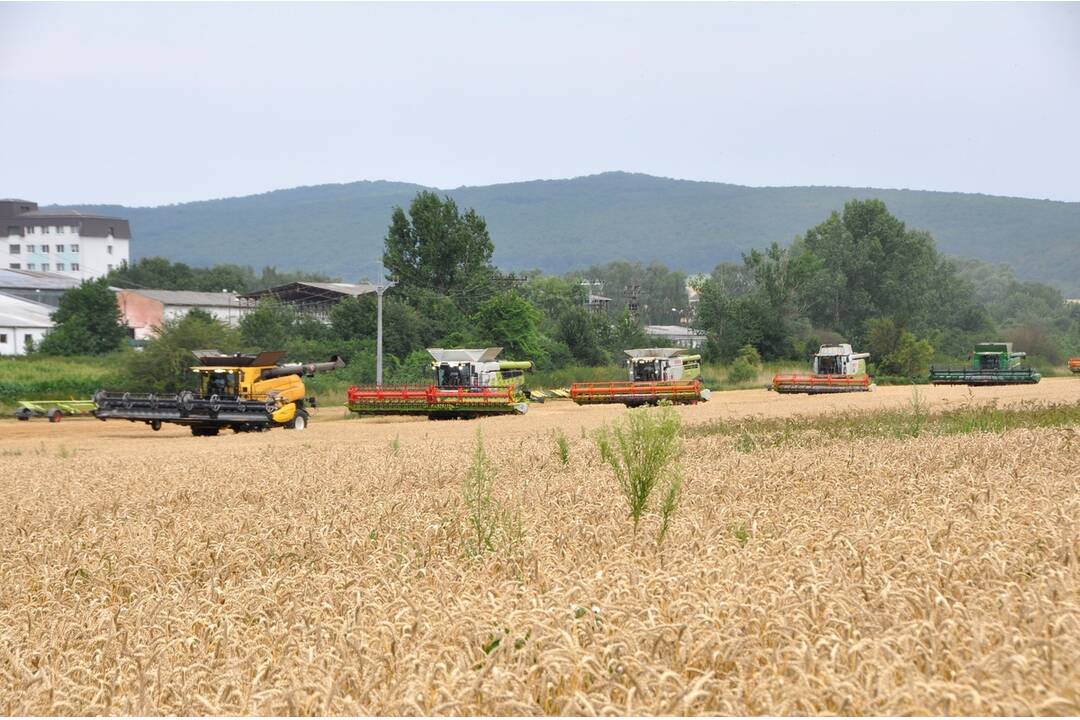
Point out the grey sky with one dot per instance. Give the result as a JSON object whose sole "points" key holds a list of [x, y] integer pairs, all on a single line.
{"points": [[151, 104]]}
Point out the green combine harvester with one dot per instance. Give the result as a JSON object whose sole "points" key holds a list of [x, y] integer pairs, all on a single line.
{"points": [[992, 363]]}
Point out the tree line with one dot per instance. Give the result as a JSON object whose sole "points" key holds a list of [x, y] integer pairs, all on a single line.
{"points": [[861, 276]]}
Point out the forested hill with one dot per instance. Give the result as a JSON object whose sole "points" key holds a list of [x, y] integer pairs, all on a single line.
{"points": [[558, 225]]}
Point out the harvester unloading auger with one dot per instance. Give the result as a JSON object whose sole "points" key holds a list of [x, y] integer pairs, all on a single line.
{"points": [[655, 374], [992, 363], [241, 392], [467, 383], [837, 369]]}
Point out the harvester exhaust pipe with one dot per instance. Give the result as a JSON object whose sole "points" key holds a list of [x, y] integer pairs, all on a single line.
{"points": [[303, 369]]}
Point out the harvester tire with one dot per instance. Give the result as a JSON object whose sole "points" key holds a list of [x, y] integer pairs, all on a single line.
{"points": [[23, 414], [299, 422], [54, 415], [155, 425]]}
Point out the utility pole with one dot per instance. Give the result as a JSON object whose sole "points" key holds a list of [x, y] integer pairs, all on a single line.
{"points": [[379, 290]]}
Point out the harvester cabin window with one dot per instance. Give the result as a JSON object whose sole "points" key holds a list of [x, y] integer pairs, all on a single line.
{"points": [[220, 384], [830, 365]]}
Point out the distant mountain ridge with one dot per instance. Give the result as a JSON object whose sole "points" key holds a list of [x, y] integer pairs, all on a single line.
{"points": [[559, 225]]}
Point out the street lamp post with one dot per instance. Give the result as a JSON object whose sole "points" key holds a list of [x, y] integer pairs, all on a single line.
{"points": [[379, 290]]}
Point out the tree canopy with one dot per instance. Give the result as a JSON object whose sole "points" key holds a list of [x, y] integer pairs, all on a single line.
{"points": [[87, 322]]}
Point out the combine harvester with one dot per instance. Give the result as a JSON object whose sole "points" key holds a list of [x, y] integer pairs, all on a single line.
{"points": [[655, 374], [242, 392], [836, 370], [468, 383], [1074, 365], [992, 363]]}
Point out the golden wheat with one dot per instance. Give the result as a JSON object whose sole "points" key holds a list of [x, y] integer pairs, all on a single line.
{"points": [[323, 572]]}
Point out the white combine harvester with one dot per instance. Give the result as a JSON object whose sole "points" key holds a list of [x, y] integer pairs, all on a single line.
{"points": [[837, 369]]}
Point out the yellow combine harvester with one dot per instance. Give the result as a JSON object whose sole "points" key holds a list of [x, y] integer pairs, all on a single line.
{"points": [[242, 392]]}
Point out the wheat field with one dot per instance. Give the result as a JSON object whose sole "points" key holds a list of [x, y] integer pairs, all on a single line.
{"points": [[327, 572]]}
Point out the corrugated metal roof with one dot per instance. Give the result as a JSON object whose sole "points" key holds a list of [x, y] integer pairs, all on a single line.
{"points": [[16, 312], [189, 297], [31, 280], [671, 330]]}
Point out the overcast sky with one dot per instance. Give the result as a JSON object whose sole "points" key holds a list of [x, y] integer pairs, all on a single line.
{"points": [[152, 104]]}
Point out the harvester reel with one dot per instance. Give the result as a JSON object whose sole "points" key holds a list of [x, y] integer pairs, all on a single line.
{"points": [[215, 403], [186, 400], [125, 400]]}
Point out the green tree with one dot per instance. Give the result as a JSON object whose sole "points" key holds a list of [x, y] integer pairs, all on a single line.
{"points": [[511, 322], [164, 364], [268, 327], [404, 329], [895, 351], [583, 333], [87, 322], [438, 248]]}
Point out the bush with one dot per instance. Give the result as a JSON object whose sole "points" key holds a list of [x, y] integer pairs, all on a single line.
{"points": [[641, 451], [742, 370]]}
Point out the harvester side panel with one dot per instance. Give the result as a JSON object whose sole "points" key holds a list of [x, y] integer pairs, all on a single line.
{"points": [[635, 393], [817, 384], [972, 376]]}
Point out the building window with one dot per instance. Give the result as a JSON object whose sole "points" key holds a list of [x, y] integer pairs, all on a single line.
{"points": [[110, 249], [14, 266], [27, 338], [3, 338], [14, 230], [59, 248], [45, 267], [74, 248], [45, 249], [59, 267], [14, 249], [31, 266], [30, 248], [62, 229], [74, 267], [50, 229]]}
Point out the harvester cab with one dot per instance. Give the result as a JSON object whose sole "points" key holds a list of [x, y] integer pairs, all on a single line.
{"points": [[836, 369], [655, 374], [992, 363], [466, 383], [241, 392]]}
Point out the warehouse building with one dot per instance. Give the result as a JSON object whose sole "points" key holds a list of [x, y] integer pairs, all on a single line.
{"points": [[67, 242], [676, 335], [313, 299], [143, 311], [23, 323], [41, 287]]}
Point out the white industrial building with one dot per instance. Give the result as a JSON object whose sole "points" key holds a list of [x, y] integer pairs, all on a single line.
{"points": [[67, 242], [144, 311], [22, 323], [676, 335]]}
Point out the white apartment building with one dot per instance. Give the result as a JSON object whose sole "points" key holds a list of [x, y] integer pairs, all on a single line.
{"points": [[67, 242]]}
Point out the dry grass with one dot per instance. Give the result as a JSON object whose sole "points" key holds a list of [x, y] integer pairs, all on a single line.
{"points": [[328, 573]]}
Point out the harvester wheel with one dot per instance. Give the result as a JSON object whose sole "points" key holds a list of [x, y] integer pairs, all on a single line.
{"points": [[155, 425], [23, 414], [54, 415], [299, 422]]}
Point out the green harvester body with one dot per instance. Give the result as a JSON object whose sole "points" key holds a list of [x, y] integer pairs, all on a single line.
{"points": [[992, 363]]}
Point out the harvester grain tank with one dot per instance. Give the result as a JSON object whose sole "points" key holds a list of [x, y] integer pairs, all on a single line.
{"points": [[466, 383], [992, 363], [836, 369], [241, 392], [655, 374]]}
